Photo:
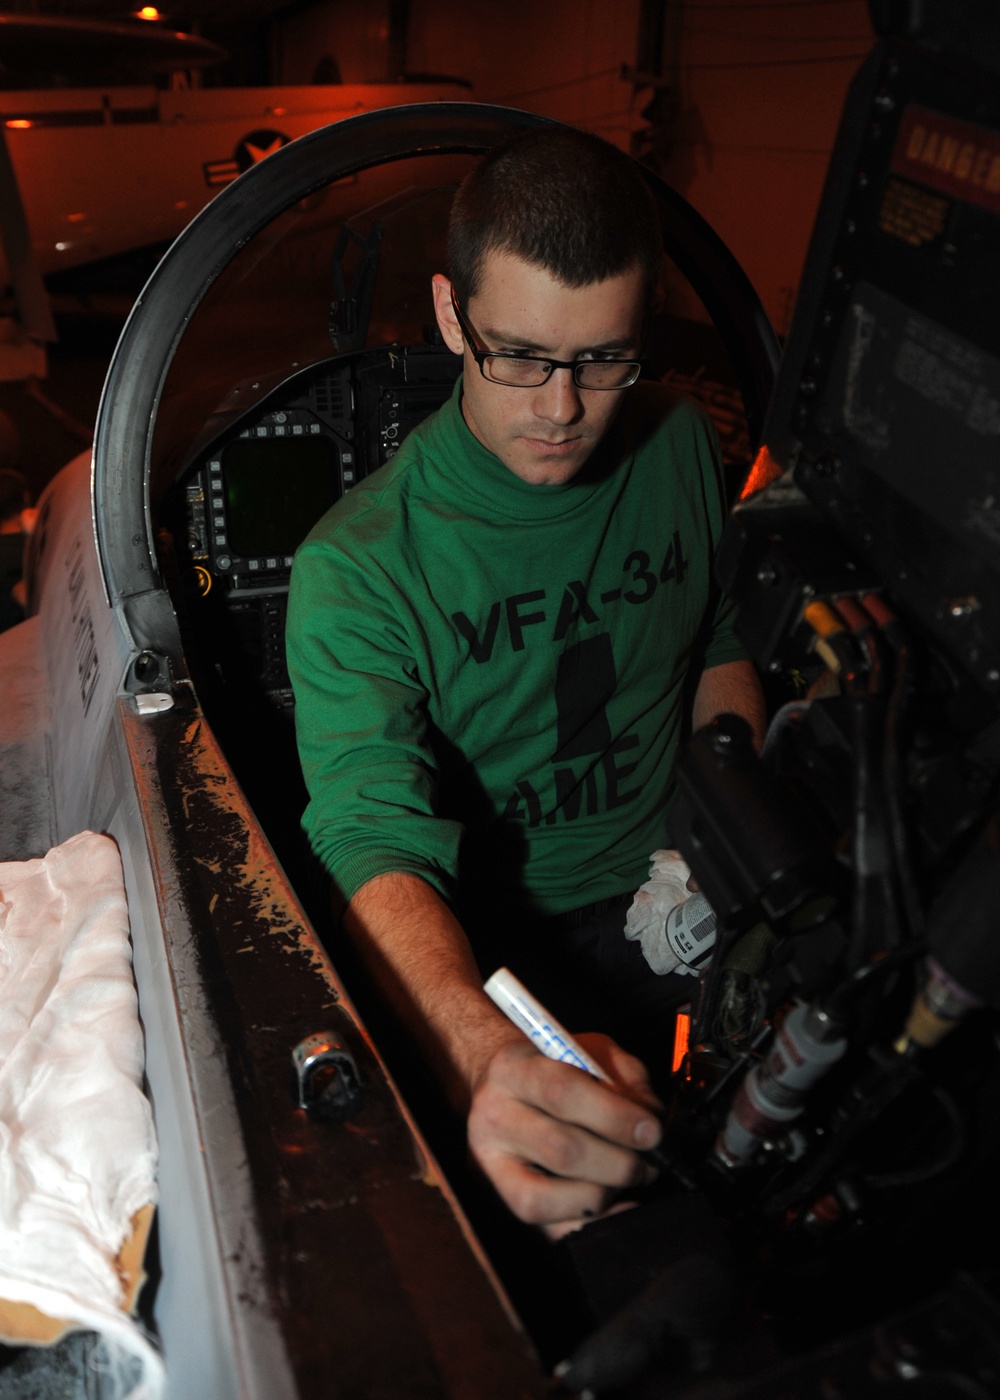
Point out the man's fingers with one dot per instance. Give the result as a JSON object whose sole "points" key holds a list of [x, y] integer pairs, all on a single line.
{"points": [[504, 1127], [564, 1175], [629, 1074], [556, 1143], [570, 1095]]}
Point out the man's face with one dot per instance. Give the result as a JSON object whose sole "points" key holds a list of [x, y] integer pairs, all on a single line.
{"points": [[543, 435]]}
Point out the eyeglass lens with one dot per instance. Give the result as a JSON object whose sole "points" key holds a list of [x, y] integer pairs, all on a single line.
{"points": [[588, 374]]}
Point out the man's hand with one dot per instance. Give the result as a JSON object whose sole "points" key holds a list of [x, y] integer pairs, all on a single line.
{"points": [[557, 1144]]}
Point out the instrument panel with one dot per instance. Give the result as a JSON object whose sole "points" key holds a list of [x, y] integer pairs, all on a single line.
{"points": [[253, 496]]}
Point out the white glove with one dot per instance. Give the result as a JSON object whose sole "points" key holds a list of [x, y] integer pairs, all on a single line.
{"points": [[667, 950]]}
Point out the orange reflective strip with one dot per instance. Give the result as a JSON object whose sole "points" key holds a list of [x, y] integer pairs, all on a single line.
{"points": [[682, 1036], [764, 470]]}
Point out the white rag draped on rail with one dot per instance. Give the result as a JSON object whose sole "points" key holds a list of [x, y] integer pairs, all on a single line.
{"points": [[77, 1145]]}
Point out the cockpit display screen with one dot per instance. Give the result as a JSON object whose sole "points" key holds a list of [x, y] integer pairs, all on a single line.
{"points": [[276, 489]]}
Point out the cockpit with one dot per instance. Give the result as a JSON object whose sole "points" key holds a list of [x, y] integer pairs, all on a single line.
{"points": [[296, 371]]}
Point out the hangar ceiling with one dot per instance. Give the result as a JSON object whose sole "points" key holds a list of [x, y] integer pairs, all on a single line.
{"points": [[34, 57], [197, 15]]}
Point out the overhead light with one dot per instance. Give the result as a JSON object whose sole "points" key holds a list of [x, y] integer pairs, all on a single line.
{"points": [[149, 12], [19, 123]]}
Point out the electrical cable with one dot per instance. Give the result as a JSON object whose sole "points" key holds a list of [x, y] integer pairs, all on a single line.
{"points": [[746, 149], [953, 1149], [899, 841], [868, 1098], [559, 87], [710, 988], [688, 67], [857, 655], [772, 4], [867, 858], [839, 1000], [754, 34]]}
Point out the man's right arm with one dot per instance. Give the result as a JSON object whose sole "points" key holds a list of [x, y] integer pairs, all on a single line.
{"points": [[556, 1144], [361, 723]]}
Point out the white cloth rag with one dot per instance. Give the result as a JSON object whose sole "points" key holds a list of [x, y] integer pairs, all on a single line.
{"points": [[77, 1144], [654, 901]]}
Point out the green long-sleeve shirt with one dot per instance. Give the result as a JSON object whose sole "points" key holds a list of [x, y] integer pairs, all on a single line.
{"points": [[488, 674]]}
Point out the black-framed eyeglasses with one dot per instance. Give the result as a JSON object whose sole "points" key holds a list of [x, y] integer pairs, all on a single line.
{"points": [[529, 371]]}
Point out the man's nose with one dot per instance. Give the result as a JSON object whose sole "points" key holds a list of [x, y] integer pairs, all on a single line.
{"points": [[558, 399]]}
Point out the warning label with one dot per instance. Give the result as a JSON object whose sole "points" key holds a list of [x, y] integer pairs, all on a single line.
{"points": [[957, 158], [913, 214]]}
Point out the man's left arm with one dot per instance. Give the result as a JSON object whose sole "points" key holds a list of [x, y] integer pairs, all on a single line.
{"points": [[730, 688]]}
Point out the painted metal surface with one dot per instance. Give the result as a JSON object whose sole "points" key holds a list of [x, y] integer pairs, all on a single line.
{"points": [[25, 798], [294, 1259], [341, 1245]]}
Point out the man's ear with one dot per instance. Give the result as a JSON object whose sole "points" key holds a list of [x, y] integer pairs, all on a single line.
{"points": [[445, 313]]}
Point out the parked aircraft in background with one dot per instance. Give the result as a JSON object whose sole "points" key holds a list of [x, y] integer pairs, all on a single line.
{"points": [[90, 173], [47, 44], [105, 170]]}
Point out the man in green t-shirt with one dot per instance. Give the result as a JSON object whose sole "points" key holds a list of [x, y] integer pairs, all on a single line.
{"points": [[489, 641]]}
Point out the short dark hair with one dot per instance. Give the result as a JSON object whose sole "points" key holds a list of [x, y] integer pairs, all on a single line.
{"points": [[561, 199]]}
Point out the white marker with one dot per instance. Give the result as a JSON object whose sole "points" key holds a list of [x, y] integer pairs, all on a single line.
{"points": [[556, 1043], [541, 1028]]}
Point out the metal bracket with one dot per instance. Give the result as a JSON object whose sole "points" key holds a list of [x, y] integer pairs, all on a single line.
{"points": [[149, 672], [329, 1086]]}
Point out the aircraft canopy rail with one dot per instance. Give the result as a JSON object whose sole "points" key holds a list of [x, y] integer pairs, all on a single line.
{"points": [[125, 485]]}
